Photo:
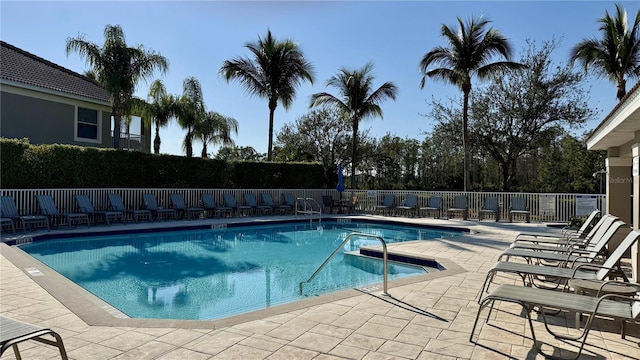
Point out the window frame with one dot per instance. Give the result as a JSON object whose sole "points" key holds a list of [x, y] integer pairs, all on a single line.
{"points": [[76, 123]]}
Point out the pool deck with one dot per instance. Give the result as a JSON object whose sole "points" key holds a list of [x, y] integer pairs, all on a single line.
{"points": [[425, 318]]}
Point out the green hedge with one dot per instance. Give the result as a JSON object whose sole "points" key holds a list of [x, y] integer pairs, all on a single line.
{"points": [[26, 166]]}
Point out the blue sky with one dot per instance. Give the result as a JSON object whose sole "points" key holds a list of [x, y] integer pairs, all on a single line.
{"points": [[196, 37]]}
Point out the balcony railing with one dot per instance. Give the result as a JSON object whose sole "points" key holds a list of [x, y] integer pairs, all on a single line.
{"points": [[544, 207], [129, 141]]}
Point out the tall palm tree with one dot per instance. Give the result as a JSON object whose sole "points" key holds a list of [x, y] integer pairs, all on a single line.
{"points": [[190, 110], [471, 49], [274, 71], [159, 108], [118, 68], [216, 129], [357, 100], [617, 53]]}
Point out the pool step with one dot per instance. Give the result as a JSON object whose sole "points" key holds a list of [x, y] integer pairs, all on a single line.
{"points": [[403, 258]]}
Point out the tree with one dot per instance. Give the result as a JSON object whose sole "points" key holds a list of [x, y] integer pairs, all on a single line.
{"points": [[274, 72], [216, 129], [159, 108], [616, 54], [239, 153], [118, 68], [471, 48], [357, 100], [322, 135], [524, 111], [190, 110]]}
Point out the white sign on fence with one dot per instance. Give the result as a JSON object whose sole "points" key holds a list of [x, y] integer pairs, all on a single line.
{"points": [[547, 205], [585, 204], [372, 193]]}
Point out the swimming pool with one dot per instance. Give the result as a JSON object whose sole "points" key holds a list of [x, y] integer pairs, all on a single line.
{"points": [[214, 273]]}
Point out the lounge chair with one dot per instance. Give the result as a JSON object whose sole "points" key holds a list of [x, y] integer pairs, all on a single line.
{"points": [[519, 207], [608, 306], [86, 206], [6, 222], [9, 210], [116, 204], [409, 204], [289, 200], [491, 207], [353, 206], [388, 202], [281, 208], [179, 205], [559, 275], [434, 205], [565, 255], [460, 206], [13, 332], [210, 207], [230, 201], [327, 203], [151, 203], [566, 232], [543, 242], [48, 208], [250, 200]]}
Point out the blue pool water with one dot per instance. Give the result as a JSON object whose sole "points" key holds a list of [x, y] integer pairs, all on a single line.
{"points": [[215, 273]]}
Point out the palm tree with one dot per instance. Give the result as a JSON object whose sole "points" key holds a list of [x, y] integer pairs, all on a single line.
{"points": [[471, 48], [118, 68], [357, 100], [159, 108], [617, 53], [274, 72], [190, 110], [216, 129]]}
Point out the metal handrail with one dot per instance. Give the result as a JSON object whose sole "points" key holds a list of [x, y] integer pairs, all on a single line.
{"points": [[310, 212], [346, 239]]}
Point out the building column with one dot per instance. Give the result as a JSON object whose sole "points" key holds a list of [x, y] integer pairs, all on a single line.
{"points": [[635, 173], [619, 187]]}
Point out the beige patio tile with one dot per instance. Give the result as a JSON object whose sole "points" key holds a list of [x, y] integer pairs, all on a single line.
{"points": [[127, 341], [215, 342], [150, 350], [242, 352], [292, 329], [179, 337], [257, 326], [264, 342], [400, 349], [449, 348], [348, 352], [378, 330], [98, 334], [183, 354], [353, 319], [331, 330], [316, 342], [292, 352], [92, 351], [363, 342]]}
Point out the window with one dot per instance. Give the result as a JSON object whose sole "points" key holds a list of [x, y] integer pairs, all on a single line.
{"points": [[88, 125]]}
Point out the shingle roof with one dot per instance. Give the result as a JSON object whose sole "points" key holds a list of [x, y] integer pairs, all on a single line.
{"points": [[23, 67]]}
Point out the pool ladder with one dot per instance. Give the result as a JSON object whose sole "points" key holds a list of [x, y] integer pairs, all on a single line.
{"points": [[307, 208], [347, 239]]}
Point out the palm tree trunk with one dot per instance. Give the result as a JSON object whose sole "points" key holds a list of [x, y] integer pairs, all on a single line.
{"points": [[188, 145], [622, 84], [204, 150], [465, 140], [272, 109], [156, 141], [117, 123], [354, 161]]}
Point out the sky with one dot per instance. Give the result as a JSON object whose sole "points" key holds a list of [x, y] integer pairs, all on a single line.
{"points": [[198, 36]]}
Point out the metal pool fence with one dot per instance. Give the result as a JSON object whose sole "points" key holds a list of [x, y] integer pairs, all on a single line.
{"points": [[544, 207]]}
